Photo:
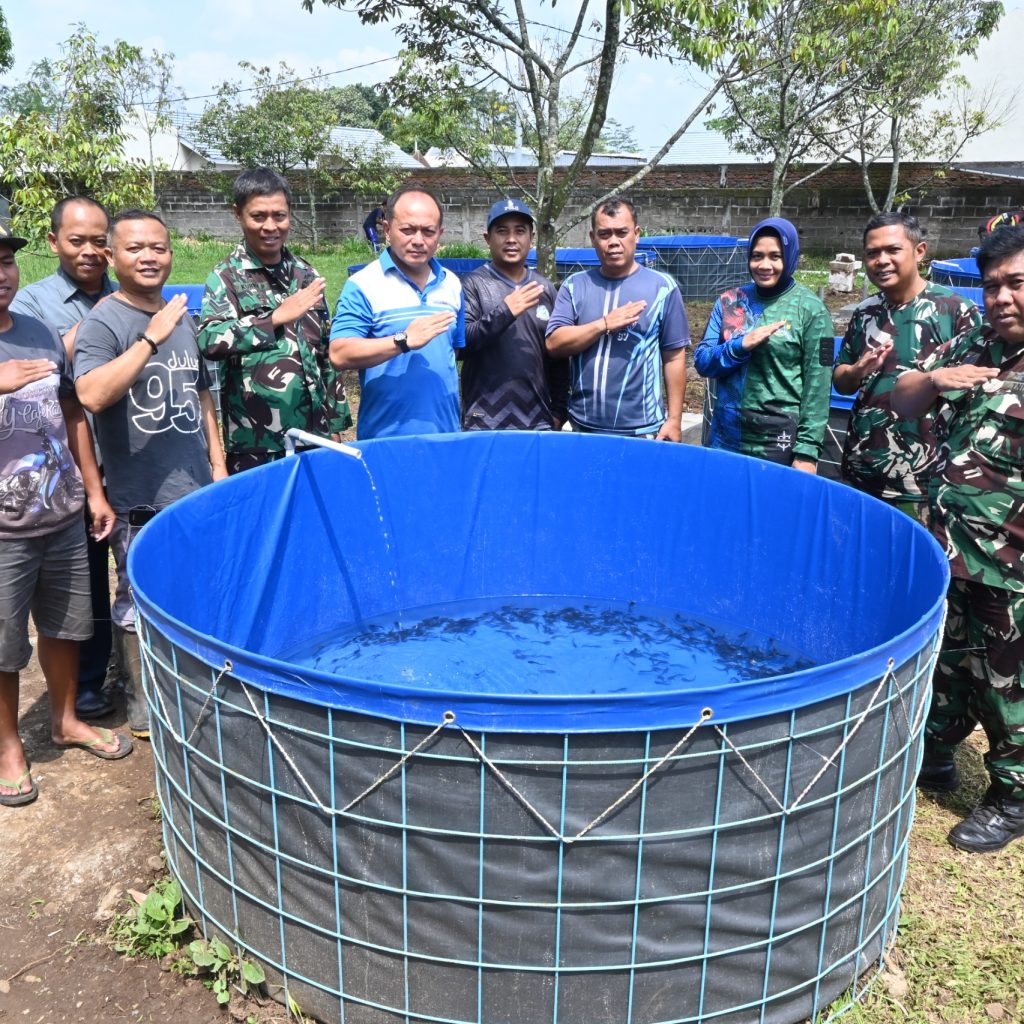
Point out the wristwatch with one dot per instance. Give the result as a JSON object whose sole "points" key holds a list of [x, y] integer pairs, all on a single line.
{"points": [[401, 339]]}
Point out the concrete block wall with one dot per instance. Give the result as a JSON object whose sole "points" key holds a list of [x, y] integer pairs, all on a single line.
{"points": [[707, 199]]}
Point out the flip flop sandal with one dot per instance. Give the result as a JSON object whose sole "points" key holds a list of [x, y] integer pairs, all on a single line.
{"points": [[124, 745], [18, 799]]}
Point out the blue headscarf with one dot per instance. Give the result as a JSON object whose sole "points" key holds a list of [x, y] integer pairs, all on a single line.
{"points": [[790, 242]]}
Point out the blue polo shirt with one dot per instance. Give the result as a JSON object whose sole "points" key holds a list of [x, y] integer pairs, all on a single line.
{"points": [[415, 392]]}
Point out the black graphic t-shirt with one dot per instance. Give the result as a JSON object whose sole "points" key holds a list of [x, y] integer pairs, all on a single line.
{"points": [[41, 489]]}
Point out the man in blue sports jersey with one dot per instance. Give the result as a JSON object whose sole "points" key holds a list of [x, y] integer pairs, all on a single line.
{"points": [[398, 322], [623, 326]]}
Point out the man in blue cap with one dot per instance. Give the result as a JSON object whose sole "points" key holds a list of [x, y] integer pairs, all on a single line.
{"points": [[509, 382]]}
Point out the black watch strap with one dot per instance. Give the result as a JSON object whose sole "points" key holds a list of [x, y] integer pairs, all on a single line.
{"points": [[142, 336], [402, 341]]}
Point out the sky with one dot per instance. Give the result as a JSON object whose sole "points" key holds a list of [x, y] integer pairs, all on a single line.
{"points": [[210, 37]]}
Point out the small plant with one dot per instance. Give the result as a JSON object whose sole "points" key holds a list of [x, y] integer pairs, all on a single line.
{"points": [[462, 250], [226, 970], [154, 926]]}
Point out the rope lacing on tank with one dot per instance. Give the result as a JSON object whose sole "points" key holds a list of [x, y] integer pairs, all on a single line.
{"points": [[449, 719]]}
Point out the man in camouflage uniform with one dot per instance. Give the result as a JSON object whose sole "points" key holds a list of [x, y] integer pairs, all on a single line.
{"points": [[976, 494], [264, 314], [890, 332]]}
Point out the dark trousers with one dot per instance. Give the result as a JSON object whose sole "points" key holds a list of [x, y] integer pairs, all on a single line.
{"points": [[94, 653]]}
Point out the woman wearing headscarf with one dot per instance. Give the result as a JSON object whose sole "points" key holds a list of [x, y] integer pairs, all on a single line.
{"points": [[769, 349]]}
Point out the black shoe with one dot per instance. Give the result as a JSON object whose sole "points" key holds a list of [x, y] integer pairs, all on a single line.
{"points": [[938, 773], [93, 704], [991, 826]]}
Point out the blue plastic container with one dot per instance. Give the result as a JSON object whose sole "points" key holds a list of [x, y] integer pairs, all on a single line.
{"points": [[397, 853], [192, 292], [957, 274]]}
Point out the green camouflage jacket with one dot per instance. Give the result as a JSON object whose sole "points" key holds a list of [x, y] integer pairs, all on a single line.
{"points": [[976, 492], [884, 455], [272, 378]]}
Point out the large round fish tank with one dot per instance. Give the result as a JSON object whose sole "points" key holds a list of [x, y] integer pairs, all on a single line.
{"points": [[392, 852]]}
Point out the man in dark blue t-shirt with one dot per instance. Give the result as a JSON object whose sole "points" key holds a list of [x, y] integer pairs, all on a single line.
{"points": [[509, 382], [622, 325]]}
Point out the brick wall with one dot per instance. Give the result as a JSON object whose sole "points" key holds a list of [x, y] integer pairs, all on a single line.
{"points": [[700, 199]]}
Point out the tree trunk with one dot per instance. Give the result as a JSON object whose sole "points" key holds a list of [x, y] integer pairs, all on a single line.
{"points": [[894, 172], [547, 239], [778, 184], [314, 229]]}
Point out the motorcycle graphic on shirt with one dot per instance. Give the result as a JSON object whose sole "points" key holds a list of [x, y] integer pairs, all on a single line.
{"points": [[39, 481], [42, 480]]}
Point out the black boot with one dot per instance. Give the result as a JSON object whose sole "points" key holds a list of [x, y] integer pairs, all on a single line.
{"points": [[938, 773], [135, 698], [995, 823]]}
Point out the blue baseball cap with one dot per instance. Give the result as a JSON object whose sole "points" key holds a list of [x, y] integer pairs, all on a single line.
{"points": [[503, 207]]}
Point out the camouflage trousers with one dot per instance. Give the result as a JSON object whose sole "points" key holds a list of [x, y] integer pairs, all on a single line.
{"points": [[979, 678]]}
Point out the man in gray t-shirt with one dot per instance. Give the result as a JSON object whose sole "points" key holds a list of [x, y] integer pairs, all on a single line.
{"points": [[138, 371]]}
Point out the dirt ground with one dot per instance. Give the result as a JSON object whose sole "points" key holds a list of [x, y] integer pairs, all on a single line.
{"points": [[66, 863]]}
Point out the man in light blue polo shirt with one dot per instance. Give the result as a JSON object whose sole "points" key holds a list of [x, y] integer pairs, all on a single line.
{"points": [[398, 322]]}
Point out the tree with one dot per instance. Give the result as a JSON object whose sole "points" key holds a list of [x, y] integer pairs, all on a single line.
{"points": [[918, 107], [6, 46], [481, 118], [357, 106], [795, 109], [71, 143], [288, 126], [147, 94], [458, 47]]}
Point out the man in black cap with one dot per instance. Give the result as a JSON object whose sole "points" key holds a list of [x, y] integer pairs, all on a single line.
{"points": [[509, 382]]}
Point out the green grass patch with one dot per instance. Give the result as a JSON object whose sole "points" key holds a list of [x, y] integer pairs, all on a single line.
{"points": [[195, 258]]}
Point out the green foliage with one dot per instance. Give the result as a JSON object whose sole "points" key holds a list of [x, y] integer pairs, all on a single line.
{"points": [[357, 106], [222, 969], [6, 47], [455, 50], [463, 251], [69, 138], [830, 77], [275, 122], [153, 925]]}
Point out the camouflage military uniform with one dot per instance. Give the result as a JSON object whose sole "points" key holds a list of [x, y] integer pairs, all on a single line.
{"points": [[977, 505], [273, 378], [885, 456]]}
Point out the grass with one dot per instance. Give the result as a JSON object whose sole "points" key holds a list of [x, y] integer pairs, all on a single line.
{"points": [[957, 959], [195, 258]]}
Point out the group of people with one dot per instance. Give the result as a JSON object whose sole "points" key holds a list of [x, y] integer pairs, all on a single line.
{"points": [[937, 427]]}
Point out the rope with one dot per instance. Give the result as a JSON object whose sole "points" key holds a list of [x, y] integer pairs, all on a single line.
{"points": [[228, 666], [449, 719]]}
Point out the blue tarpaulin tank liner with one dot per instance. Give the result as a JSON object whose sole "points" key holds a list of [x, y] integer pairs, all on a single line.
{"points": [[703, 265], [194, 296], [962, 275], [192, 292], [957, 274], [391, 854]]}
